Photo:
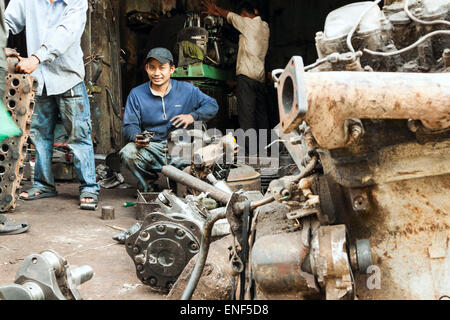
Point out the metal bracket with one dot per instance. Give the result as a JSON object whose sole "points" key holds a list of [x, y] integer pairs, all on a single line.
{"points": [[292, 95]]}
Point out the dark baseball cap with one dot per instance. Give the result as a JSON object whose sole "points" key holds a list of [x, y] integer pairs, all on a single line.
{"points": [[161, 54]]}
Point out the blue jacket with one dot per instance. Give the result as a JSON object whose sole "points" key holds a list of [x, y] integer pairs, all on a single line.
{"points": [[145, 111]]}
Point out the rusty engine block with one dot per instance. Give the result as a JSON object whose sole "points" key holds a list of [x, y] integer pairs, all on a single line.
{"points": [[19, 100], [368, 126], [372, 219]]}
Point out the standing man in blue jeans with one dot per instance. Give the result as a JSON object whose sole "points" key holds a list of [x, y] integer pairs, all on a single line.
{"points": [[53, 33]]}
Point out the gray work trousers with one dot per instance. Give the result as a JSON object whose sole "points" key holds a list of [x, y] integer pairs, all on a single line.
{"points": [[144, 163]]}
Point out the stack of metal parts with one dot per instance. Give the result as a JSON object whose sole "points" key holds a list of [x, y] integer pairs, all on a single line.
{"points": [[46, 276], [19, 100]]}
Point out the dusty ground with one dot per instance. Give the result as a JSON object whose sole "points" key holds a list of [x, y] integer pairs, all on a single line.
{"points": [[82, 238]]}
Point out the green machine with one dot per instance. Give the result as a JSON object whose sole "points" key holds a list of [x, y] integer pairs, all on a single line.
{"points": [[202, 71], [213, 82]]}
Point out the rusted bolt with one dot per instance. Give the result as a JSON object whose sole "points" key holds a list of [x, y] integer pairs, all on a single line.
{"points": [[161, 228], [194, 246], [413, 125], [180, 232], [136, 249], [153, 281], [140, 267], [356, 131], [140, 259], [360, 203], [446, 57], [144, 235]]}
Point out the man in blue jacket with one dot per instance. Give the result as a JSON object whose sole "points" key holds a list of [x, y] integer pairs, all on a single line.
{"points": [[159, 106]]}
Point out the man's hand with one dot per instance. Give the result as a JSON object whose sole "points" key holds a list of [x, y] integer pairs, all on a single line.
{"points": [[141, 141], [10, 52], [211, 7], [182, 120], [27, 65]]}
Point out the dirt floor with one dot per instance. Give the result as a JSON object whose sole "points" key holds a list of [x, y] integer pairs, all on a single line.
{"points": [[82, 238]]}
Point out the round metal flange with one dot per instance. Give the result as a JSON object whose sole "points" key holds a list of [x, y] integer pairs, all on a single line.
{"points": [[162, 247]]}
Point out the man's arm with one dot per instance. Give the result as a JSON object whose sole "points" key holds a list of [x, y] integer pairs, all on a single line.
{"points": [[68, 31], [212, 8], [206, 108], [236, 20], [15, 16], [131, 119]]}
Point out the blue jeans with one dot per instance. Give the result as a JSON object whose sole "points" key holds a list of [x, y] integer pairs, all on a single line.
{"points": [[73, 106]]}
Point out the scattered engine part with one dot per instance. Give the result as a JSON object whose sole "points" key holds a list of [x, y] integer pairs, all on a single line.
{"points": [[166, 240], [169, 237], [19, 100], [162, 247], [108, 213], [217, 277], [62, 162], [330, 262], [278, 266], [46, 276], [243, 177]]}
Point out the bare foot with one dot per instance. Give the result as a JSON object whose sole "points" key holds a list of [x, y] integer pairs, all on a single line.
{"points": [[87, 200], [26, 195]]}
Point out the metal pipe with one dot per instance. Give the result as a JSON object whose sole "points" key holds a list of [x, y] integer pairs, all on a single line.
{"points": [[309, 167], [261, 202], [194, 183], [203, 254], [334, 97], [415, 44], [82, 274]]}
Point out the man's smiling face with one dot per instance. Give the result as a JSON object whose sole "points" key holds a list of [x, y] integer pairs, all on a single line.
{"points": [[159, 73]]}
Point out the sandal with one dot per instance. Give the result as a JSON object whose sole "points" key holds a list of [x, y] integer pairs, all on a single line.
{"points": [[88, 205], [43, 193], [8, 227]]}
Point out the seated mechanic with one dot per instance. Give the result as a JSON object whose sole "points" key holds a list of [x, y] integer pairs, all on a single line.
{"points": [[158, 107]]}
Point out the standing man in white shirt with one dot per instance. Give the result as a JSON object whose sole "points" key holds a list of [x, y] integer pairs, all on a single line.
{"points": [[253, 46]]}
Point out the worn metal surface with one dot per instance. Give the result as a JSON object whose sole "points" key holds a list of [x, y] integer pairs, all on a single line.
{"points": [[162, 247], [277, 265], [409, 229], [146, 204], [194, 183], [388, 159], [46, 276], [244, 177], [19, 100], [216, 280], [330, 262], [108, 213]]}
